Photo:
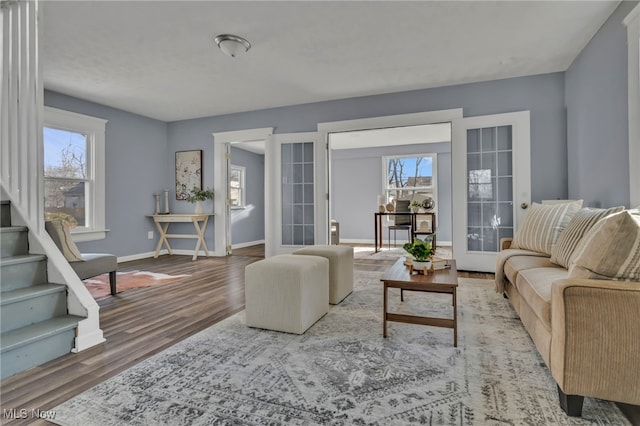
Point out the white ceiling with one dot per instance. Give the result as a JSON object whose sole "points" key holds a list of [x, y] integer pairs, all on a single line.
{"points": [[157, 58]]}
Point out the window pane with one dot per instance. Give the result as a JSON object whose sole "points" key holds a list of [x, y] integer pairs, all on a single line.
{"points": [[409, 172], [65, 154], [65, 200], [236, 186]]}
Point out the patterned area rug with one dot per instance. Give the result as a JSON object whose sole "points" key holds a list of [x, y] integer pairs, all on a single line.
{"points": [[343, 372], [99, 286]]}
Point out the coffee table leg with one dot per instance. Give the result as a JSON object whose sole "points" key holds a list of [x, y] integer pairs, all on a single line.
{"points": [[384, 313]]}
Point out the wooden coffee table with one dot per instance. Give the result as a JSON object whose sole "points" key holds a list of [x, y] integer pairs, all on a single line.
{"points": [[441, 281]]}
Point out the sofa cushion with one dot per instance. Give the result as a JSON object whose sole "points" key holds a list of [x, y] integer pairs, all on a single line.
{"points": [[60, 235], [542, 225], [520, 263], [610, 250], [579, 224], [534, 285]]}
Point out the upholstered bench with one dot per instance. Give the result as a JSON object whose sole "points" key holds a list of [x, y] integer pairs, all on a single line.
{"points": [[340, 268], [286, 293]]}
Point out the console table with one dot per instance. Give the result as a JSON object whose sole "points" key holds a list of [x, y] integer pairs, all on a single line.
{"points": [[199, 221]]}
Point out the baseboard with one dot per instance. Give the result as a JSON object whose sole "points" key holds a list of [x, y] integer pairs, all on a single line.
{"points": [[139, 256], [247, 244], [184, 252], [361, 241]]}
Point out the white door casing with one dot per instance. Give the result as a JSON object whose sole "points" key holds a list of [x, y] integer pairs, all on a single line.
{"points": [[389, 121], [483, 259], [221, 220]]}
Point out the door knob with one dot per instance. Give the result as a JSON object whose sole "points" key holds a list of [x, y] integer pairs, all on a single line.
{"points": [[523, 206]]}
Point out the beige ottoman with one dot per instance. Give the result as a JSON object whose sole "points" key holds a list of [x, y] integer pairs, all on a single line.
{"points": [[287, 293], [340, 268]]}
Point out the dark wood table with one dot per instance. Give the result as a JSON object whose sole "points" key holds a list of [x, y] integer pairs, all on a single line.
{"points": [[441, 281]]}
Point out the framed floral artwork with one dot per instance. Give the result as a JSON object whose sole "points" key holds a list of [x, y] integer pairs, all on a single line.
{"points": [[188, 172]]}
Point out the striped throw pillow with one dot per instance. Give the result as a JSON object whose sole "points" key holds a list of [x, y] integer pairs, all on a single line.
{"points": [[610, 250], [579, 224], [542, 225]]}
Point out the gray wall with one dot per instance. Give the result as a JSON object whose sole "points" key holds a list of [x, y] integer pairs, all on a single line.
{"points": [[597, 116], [137, 147], [543, 95], [358, 173], [135, 158], [247, 225]]}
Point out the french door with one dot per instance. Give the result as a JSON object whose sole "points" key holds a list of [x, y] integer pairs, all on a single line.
{"points": [[293, 212], [491, 185]]}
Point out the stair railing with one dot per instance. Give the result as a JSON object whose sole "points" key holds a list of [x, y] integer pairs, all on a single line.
{"points": [[22, 158]]}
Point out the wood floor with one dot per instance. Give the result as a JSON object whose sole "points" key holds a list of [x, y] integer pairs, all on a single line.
{"points": [[142, 322]]}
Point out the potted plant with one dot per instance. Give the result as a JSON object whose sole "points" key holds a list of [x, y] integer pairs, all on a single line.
{"points": [[415, 206], [421, 251], [197, 196]]}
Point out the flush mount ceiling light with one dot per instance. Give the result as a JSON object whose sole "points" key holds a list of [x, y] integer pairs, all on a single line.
{"points": [[232, 45]]}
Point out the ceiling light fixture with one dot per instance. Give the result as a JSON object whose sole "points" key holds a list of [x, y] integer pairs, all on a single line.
{"points": [[232, 45]]}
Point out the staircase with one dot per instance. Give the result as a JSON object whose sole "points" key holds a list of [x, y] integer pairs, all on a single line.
{"points": [[35, 326]]}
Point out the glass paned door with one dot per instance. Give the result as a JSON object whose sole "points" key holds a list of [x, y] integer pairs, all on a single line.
{"points": [[298, 208], [489, 187], [490, 182], [292, 215]]}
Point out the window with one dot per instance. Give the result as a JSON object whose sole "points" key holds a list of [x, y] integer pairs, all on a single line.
{"points": [[74, 178], [410, 177], [237, 189]]}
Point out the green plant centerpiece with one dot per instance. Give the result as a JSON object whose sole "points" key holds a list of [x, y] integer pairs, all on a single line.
{"points": [[415, 205], [197, 196], [421, 250]]}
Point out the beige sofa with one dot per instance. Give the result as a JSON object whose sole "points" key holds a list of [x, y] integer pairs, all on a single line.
{"points": [[586, 329]]}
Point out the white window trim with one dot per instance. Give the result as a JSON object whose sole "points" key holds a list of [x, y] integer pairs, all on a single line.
{"points": [[632, 21], [243, 187], [94, 128]]}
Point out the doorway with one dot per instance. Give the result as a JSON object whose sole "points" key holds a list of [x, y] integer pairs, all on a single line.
{"points": [[245, 189], [223, 142], [409, 163]]}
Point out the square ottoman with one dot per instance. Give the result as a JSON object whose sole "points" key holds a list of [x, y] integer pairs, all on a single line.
{"points": [[340, 268], [287, 293]]}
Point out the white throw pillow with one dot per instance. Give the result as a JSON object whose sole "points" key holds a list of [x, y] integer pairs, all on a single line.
{"points": [[543, 224]]}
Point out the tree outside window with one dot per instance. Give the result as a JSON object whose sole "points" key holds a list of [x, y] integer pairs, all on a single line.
{"points": [[409, 177], [66, 180]]}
